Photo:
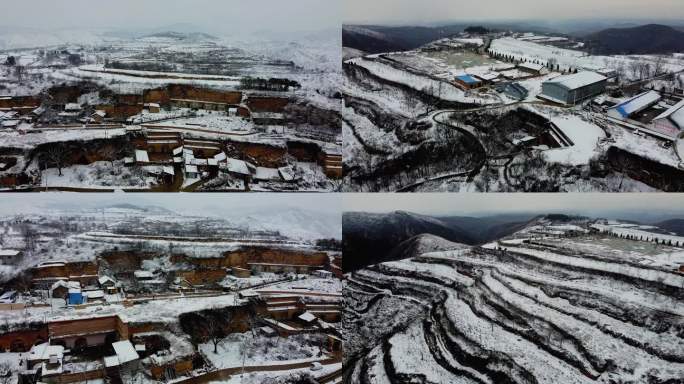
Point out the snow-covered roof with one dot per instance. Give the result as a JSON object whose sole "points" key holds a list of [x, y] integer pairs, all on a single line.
{"points": [[74, 284], [238, 166], [263, 173], [8, 115], [44, 351], [637, 103], [307, 316], [178, 150], [487, 76], [72, 107], [100, 113], [9, 252], [467, 79], [125, 352], [674, 113], [59, 283], [220, 156], [168, 170], [287, 173], [531, 66], [249, 293], [141, 156], [143, 274], [94, 294], [111, 361], [577, 80], [10, 123], [105, 279], [148, 105], [190, 168]]}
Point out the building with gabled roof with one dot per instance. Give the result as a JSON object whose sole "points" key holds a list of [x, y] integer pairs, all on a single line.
{"points": [[634, 105], [670, 122], [574, 88]]}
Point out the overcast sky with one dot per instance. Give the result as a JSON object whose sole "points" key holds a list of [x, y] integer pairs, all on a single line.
{"points": [[210, 204], [214, 16], [427, 11], [625, 205]]}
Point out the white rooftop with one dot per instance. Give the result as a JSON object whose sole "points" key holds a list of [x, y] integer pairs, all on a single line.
{"points": [[532, 66], [238, 166], [141, 156], [125, 352], [307, 316], [44, 351], [105, 279], [9, 252], [637, 103], [577, 80], [143, 274]]}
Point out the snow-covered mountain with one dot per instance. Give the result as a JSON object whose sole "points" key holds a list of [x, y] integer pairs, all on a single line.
{"points": [[291, 222]]}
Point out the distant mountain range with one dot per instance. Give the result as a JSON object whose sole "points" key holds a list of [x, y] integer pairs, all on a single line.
{"points": [[645, 39], [370, 238], [375, 39], [182, 36], [675, 226], [602, 38]]}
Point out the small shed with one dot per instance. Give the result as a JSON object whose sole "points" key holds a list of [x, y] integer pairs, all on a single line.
{"points": [[59, 290], [152, 107], [76, 296], [98, 116]]}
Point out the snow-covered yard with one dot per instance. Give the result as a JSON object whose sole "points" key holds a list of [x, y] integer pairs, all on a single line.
{"points": [[263, 350], [98, 175]]}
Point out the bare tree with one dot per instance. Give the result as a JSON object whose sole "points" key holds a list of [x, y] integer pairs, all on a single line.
{"points": [[19, 72], [253, 318], [58, 156], [659, 66], [30, 237], [109, 153], [634, 69], [216, 329]]}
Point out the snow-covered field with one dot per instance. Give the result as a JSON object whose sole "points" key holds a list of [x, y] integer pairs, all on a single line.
{"points": [[567, 58]]}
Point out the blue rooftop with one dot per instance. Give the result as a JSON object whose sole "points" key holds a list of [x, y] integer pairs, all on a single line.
{"points": [[467, 79]]}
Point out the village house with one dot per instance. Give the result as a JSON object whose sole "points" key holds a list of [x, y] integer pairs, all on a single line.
{"points": [[532, 68], [467, 82], [59, 290], [152, 107], [98, 117], [108, 284], [9, 256], [125, 360]]}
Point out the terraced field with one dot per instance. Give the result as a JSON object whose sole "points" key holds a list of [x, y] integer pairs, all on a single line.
{"points": [[534, 311]]}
